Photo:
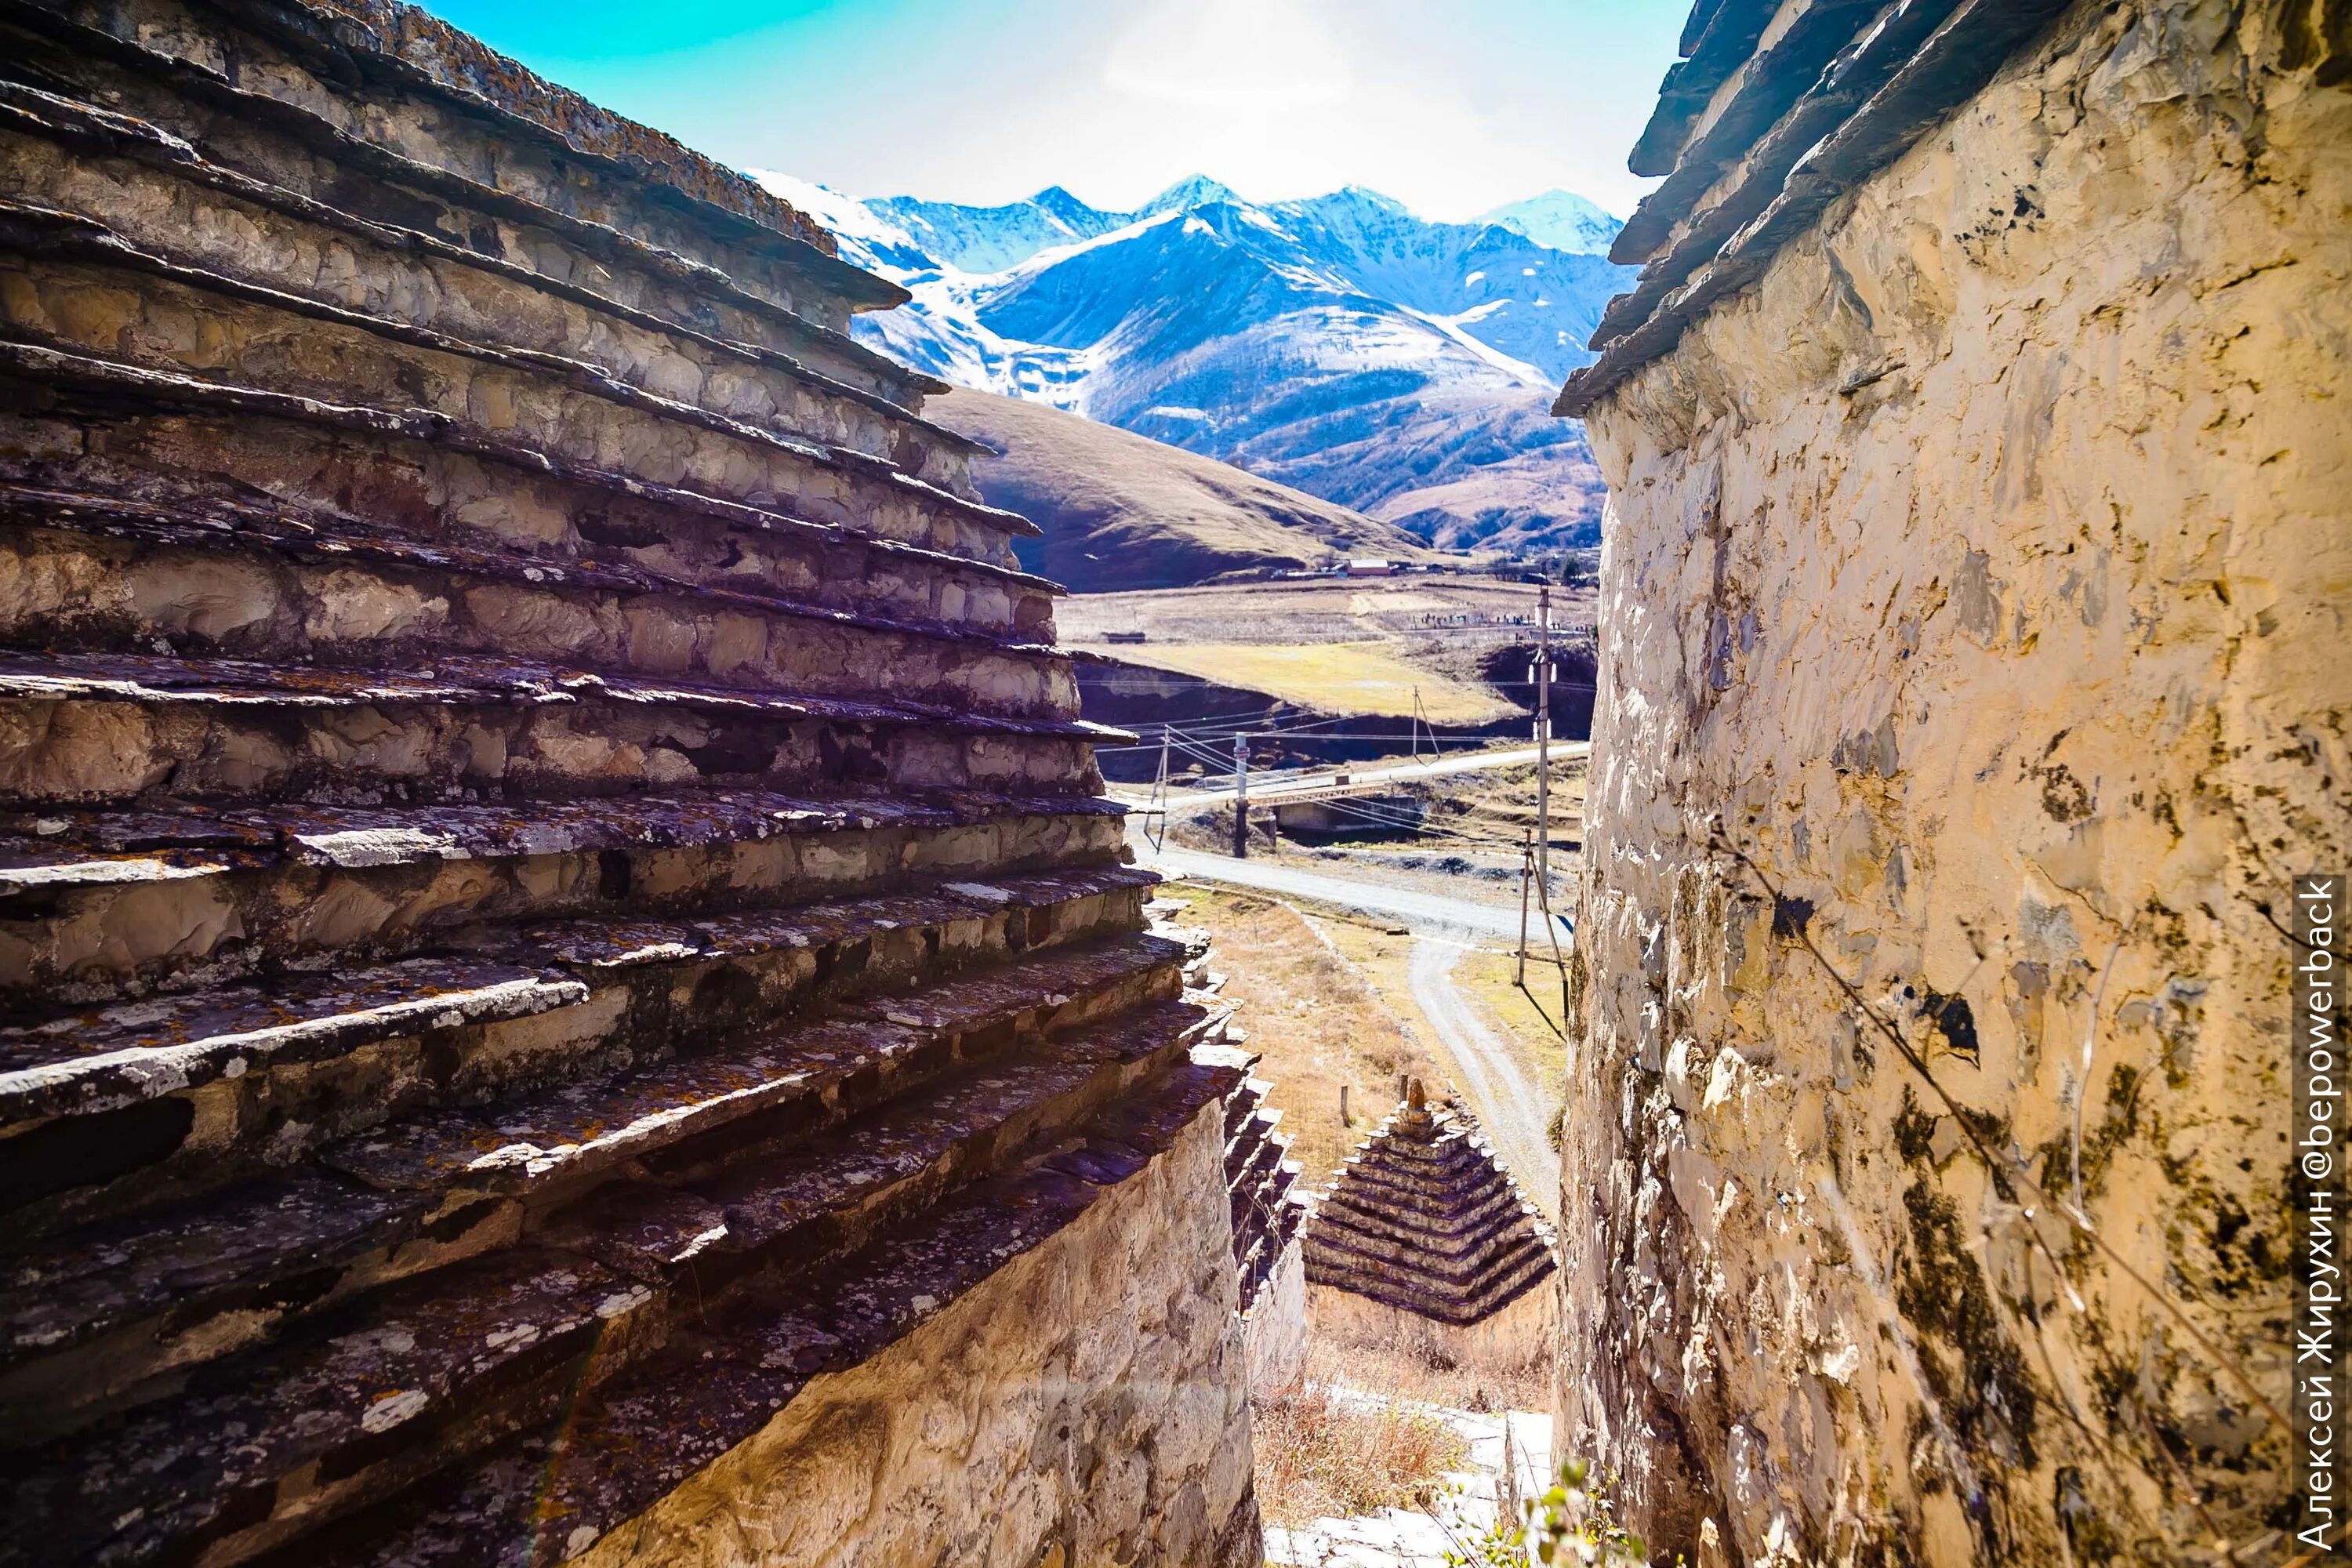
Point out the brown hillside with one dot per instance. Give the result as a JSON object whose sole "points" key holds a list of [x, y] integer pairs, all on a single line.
{"points": [[1121, 510]]}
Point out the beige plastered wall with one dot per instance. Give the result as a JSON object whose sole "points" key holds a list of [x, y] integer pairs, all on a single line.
{"points": [[1088, 1403], [1984, 573]]}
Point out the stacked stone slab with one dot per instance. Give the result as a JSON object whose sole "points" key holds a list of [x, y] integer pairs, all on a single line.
{"points": [[1973, 686], [1267, 1208], [1269, 1217], [569, 988], [1424, 1240]]}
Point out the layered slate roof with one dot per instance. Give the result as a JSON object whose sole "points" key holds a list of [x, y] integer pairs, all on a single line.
{"points": [[1261, 1184], [1422, 1217], [552, 886], [1777, 109]]}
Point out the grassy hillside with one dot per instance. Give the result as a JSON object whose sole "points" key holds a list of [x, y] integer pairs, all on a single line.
{"points": [[1120, 511], [1329, 677]]}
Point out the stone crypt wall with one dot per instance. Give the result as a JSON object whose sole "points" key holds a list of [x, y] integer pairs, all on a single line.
{"points": [[1977, 562], [567, 988]]}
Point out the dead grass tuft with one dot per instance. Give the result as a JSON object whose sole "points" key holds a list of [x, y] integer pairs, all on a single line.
{"points": [[1323, 1453], [1358, 1435]]}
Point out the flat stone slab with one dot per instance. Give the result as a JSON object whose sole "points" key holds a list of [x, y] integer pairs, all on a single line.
{"points": [[62, 1292], [112, 1057], [209, 1461]]}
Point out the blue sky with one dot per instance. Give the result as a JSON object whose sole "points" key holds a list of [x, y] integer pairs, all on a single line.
{"points": [[1451, 106]]}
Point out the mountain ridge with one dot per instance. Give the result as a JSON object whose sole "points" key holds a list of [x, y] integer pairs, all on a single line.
{"points": [[1340, 345]]}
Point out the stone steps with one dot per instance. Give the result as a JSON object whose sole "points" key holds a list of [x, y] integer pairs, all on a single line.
{"points": [[1448, 1262], [1377, 1190], [672, 1112], [241, 1075], [100, 906], [442, 1365], [87, 252], [165, 200], [355, 836], [480, 299], [549, 1494], [254, 128], [327, 590], [80, 1064], [557, 405], [1422, 1218], [468, 1177], [544, 508], [551, 886], [726, 473], [1258, 1184], [1513, 1278], [114, 727]]}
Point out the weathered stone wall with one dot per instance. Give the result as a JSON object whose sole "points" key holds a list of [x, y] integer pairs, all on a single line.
{"points": [[1275, 1326], [1086, 1404], [1983, 570]]}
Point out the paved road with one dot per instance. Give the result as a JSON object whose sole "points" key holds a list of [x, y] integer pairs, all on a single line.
{"points": [[1508, 1100], [1273, 789], [1421, 913]]}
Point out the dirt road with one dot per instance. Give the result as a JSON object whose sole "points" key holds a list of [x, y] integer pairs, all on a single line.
{"points": [[1514, 1110]]}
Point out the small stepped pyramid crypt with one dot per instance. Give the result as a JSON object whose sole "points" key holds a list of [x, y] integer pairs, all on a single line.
{"points": [[1424, 1243], [571, 994]]}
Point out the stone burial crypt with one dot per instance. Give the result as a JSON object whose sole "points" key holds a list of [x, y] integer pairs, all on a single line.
{"points": [[1973, 690], [572, 993]]}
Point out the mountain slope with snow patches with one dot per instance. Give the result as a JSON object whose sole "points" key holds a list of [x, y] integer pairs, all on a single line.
{"points": [[1340, 345]]}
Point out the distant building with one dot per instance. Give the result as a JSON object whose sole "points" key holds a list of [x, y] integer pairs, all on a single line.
{"points": [[1127, 636], [1371, 566]]}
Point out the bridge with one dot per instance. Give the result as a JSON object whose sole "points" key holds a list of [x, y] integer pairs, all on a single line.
{"points": [[1338, 783]]}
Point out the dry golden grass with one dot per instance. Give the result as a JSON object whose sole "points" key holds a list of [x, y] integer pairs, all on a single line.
{"points": [[1501, 802], [1329, 677], [1321, 1453], [1532, 1016], [1316, 1020], [1409, 1377]]}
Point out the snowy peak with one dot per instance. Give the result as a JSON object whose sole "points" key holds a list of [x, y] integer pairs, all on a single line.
{"points": [[1195, 191], [1060, 204], [1341, 343], [1561, 219]]}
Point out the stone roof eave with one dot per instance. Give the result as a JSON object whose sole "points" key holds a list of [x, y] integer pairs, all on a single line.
{"points": [[1955, 63]]}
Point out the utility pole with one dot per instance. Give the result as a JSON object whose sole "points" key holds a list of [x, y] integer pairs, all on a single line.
{"points": [[1526, 871], [1552, 930], [1543, 735], [1421, 722], [1241, 798], [1157, 805]]}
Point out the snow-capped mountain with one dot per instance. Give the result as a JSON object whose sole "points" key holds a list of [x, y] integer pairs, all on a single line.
{"points": [[1561, 219], [1338, 344]]}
